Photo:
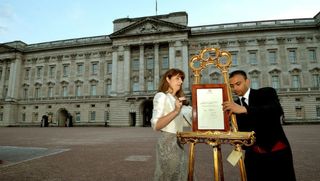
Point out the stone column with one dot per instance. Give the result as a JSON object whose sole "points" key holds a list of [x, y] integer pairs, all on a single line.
{"points": [[172, 54], [14, 79], [156, 66], [262, 61], [114, 70], [141, 68], [2, 79], [185, 64], [127, 69], [282, 51]]}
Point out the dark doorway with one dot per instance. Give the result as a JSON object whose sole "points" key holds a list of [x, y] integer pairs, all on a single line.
{"points": [[44, 121], [147, 112], [132, 119], [65, 119]]}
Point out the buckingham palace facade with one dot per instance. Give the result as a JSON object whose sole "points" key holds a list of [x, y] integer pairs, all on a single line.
{"points": [[110, 80]]}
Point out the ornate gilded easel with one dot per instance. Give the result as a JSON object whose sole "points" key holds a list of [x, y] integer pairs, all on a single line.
{"points": [[215, 138]]}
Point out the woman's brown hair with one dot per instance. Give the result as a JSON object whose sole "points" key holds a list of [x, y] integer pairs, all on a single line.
{"points": [[164, 85]]}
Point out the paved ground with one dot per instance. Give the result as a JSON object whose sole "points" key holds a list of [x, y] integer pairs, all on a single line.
{"points": [[121, 154]]}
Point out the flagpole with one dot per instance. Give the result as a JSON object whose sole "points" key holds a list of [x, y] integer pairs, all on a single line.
{"points": [[156, 7]]}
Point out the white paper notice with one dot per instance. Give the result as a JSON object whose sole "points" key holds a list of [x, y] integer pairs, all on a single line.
{"points": [[209, 105]]}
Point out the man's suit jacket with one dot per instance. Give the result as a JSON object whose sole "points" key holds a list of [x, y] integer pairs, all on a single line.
{"points": [[263, 117]]}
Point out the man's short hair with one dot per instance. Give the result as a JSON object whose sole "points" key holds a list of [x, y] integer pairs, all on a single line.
{"points": [[238, 72]]}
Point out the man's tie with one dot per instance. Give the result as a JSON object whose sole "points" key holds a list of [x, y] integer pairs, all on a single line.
{"points": [[243, 102]]}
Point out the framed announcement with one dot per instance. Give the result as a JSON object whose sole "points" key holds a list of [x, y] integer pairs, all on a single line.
{"points": [[208, 114]]}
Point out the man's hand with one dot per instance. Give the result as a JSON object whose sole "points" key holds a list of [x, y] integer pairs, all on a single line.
{"points": [[232, 107]]}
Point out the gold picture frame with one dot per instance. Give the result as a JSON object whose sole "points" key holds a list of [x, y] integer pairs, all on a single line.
{"points": [[207, 111]]}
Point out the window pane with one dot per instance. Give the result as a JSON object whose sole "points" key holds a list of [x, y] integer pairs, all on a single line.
{"points": [[295, 81], [37, 93], [39, 72], [253, 58], [94, 68], [254, 83], [93, 90], [150, 63], [78, 117], [93, 116], [80, 69], [27, 74], [150, 86], [50, 92], [135, 87], [234, 59], [299, 112], [275, 82], [51, 71], [25, 93], [318, 111], [135, 64], [65, 70], [65, 91], [312, 55], [272, 57], [316, 80], [165, 63], [292, 56], [109, 68], [108, 89], [78, 90]]}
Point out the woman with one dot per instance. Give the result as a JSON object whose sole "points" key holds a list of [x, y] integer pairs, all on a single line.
{"points": [[167, 118]]}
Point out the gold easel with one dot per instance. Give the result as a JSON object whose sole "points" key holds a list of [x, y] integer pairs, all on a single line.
{"points": [[215, 138]]}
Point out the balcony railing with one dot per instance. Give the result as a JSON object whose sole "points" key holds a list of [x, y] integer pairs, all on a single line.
{"points": [[256, 24]]}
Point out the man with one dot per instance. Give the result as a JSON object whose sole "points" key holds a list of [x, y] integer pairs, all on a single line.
{"points": [[270, 158]]}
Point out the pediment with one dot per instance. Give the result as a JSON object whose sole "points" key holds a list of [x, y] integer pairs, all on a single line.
{"points": [[148, 26], [6, 49]]}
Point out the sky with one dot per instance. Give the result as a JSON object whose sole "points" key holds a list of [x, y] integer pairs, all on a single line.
{"points": [[37, 21]]}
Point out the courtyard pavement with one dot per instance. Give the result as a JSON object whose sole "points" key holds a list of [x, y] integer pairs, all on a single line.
{"points": [[122, 154]]}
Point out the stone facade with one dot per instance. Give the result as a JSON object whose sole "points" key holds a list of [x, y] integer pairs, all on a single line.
{"points": [[111, 80]]}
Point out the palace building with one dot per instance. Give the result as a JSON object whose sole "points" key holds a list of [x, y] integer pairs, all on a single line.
{"points": [[110, 80]]}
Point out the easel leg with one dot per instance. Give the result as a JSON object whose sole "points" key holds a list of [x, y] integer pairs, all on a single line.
{"points": [[242, 166], [217, 163], [191, 162], [221, 164]]}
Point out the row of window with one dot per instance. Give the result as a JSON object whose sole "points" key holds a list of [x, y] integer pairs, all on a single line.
{"points": [[272, 56], [65, 91], [252, 59], [78, 90], [92, 116], [215, 78], [65, 70], [94, 68], [299, 110], [275, 80], [255, 83]]}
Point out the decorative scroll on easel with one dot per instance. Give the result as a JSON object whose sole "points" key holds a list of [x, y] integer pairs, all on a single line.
{"points": [[222, 60]]}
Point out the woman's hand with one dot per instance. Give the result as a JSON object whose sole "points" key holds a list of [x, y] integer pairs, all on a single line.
{"points": [[179, 103]]}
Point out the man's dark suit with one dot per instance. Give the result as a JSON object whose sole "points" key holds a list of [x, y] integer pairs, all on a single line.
{"points": [[270, 158]]}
